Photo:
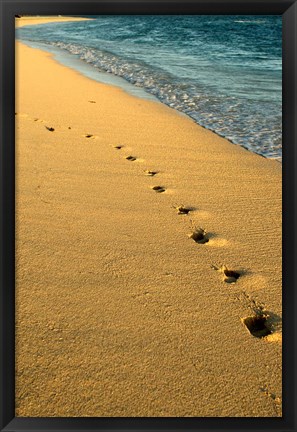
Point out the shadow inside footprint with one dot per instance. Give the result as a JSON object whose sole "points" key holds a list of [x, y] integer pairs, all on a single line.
{"points": [[159, 189], [182, 209], [51, 129], [131, 158], [119, 147], [150, 173], [257, 325], [92, 101], [199, 236], [88, 136], [229, 276]]}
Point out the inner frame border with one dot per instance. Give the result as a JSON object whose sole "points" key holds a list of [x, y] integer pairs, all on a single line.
{"points": [[8, 10]]}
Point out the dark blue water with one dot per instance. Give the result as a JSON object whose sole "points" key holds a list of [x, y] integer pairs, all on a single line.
{"points": [[223, 71]]}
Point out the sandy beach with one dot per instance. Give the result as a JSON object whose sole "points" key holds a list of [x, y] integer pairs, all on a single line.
{"points": [[119, 311]]}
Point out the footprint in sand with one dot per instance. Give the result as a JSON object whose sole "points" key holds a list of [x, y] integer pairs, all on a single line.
{"points": [[51, 129], [91, 101], [199, 236], [159, 189], [118, 147], [182, 210], [229, 276], [261, 323], [150, 173], [258, 324], [131, 158], [89, 136]]}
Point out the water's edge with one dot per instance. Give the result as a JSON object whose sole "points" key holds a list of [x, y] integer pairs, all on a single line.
{"points": [[73, 62]]}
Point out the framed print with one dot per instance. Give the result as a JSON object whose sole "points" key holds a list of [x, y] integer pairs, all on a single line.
{"points": [[148, 215]]}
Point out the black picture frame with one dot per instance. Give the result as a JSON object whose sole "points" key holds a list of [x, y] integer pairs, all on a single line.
{"points": [[10, 8]]}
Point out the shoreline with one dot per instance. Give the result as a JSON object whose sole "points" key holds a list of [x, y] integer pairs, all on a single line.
{"points": [[119, 312], [37, 20], [85, 70]]}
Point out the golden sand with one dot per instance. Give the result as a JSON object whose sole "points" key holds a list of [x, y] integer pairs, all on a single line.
{"points": [[33, 20], [120, 310]]}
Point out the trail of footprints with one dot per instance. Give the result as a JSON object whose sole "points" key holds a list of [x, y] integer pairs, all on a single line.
{"points": [[258, 323]]}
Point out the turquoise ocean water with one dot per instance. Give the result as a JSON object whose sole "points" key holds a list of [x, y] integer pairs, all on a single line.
{"points": [[223, 71]]}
